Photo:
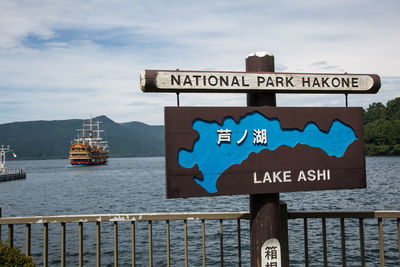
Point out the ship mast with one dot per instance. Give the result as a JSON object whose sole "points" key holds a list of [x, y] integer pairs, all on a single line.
{"points": [[91, 128], [98, 139]]}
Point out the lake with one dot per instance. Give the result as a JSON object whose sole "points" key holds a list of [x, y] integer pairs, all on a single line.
{"points": [[137, 185]]}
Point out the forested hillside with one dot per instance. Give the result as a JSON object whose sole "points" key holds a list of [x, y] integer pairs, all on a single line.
{"points": [[382, 128], [51, 139]]}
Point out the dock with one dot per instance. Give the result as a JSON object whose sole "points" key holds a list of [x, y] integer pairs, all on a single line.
{"points": [[12, 174]]}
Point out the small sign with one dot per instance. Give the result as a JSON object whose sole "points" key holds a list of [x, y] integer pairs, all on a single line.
{"points": [[242, 82], [271, 253], [255, 150]]}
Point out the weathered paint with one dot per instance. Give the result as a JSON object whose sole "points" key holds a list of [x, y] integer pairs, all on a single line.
{"points": [[242, 82]]}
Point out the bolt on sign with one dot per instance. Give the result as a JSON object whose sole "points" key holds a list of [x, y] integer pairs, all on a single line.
{"points": [[242, 82], [255, 150]]}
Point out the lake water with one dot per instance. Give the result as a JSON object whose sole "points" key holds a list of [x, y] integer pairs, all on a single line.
{"points": [[136, 185]]}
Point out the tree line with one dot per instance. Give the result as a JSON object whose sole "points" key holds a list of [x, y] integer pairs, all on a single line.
{"points": [[382, 128]]}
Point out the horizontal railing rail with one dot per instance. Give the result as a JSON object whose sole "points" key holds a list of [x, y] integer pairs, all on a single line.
{"points": [[125, 217], [344, 214]]}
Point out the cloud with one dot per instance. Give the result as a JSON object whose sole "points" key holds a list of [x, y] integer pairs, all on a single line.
{"points": [[55, 53]]}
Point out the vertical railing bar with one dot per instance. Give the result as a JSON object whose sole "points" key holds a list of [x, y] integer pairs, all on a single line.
{"points": [[239, 244], [150, 244], [325, 249], [221, 242], [381, 247], [0, 224], [10, 235], [98, 244], [362, 246], [133, 242], [398, 235], [115, 244], [343, 235], [28, 239], [203, 237], [185, 241], [45, 243], [80, 246], [168, 244], [63, 244], [306, 242]]}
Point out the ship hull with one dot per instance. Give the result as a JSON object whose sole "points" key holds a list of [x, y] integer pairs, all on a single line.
{"points": [[88, 163], [85, 155]]}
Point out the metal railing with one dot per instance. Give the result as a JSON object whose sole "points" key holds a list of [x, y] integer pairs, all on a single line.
{"points": [[292, 216], [9, 170], [342, 215], [115, 219]]}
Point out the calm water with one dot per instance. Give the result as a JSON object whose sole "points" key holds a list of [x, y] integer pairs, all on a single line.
{"points": [[136, 185]]}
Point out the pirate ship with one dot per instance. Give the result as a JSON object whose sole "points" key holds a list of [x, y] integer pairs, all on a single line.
{"points": [[89, 149]]}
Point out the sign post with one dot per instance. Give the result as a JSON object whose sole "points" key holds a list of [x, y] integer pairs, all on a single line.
{"points": [[261, 149], [264, 208]]}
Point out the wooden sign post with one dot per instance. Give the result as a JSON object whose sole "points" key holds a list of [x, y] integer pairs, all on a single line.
{"points": [[261, 149], [264, 208]]}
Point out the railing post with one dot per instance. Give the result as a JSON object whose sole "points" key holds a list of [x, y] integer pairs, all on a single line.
{"points": [[221, 242], [343, 235], [324, 242], [284, 234], [381, 246], [133, 243], [63, 244], [150, 244], [28, 239], [239, 244], [10, 235], [168, 244], [306, 262], [185, 242], [98, 244], [115, 244], [45, 244], [80, 246], [362, 245], [398, 235]]}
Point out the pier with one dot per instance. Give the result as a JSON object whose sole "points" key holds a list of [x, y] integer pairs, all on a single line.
{"points": [[12, 174], [7, 174]]}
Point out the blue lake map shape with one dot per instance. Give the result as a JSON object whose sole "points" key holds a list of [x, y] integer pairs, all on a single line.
{"points": [[213, 159]]}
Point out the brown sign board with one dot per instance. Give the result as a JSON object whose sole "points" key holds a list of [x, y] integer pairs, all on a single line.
{"points": [[214, 151], [245, 82]]}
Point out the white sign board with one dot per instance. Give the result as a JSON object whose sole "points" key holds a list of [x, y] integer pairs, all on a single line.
{"points": [[224, 82], [271, 253]]}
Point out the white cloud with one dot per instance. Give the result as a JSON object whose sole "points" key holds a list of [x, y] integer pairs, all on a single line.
{"points": [[90, 53]]}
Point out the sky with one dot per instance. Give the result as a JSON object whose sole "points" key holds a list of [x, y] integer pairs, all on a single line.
{"points": [[72, 59]]}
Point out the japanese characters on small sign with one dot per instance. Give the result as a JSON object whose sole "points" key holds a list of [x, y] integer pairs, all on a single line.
{"points": [[271, 253]]}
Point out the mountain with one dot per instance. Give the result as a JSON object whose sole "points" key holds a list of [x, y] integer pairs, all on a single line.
{"points": [[51, 139]]}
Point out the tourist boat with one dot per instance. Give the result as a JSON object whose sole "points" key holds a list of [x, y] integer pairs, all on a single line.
{"points": [[90, 149]]}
